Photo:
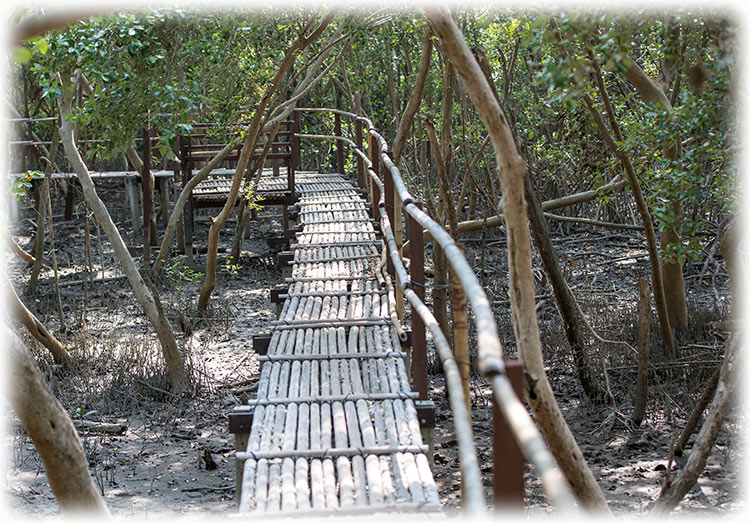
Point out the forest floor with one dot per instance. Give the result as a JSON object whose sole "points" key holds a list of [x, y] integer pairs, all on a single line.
{"points": [[157, 466]]}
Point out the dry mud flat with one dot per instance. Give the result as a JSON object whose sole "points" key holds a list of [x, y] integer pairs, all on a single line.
{"points": [[175, 457]]}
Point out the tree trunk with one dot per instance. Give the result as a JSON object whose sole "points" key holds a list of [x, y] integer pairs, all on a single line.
{"points": [[25, 256], [461, 335], [566, 302], [36, 328], [182, 200], [440, 282], [38, 248], [442, 278], [653, 250], [511, 172], [674, 282], [53, 255], [695, 416], [245, 155], [641, 395], [245, 208], [53, 434], [147, 200], [42, 214], [415, 100], [178, 375], [676, 489]]}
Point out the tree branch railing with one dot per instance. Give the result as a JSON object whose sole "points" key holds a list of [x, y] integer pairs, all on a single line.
{"points": [[490, 362]]}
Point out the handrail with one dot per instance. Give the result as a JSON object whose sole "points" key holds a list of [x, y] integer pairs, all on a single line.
{"points": [[474, 491], [490, 362]]}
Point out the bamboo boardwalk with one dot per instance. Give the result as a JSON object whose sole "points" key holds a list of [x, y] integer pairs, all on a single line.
{"points": [[213, 191], [334, 427]]}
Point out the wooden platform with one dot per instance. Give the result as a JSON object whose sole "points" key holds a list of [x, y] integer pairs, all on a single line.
{"points": [[213, 191], [334, 427]]}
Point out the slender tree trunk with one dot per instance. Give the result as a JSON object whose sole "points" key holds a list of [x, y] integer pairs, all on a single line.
{"points": [[675, 490], [36, 328], [404, 127], [37, 260], [442, 269], [53, 434], [674, 282], [244, 211], [461, 335], [390, 83], [178, 375], [653, 251], [566, 302], [415, 99], [245, 157], [440, 291], [25, 256], [44, 197], [511, 172], [53, 254], [695, 416], [243, 216], [182, 200], [641, 395]]}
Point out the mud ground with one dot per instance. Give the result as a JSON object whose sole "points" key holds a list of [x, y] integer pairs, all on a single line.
{"points": [[157, 467]]}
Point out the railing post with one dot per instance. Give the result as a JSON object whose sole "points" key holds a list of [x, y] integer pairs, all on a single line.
{"points": [[177, 172], [339, 143], [275, 164], [188, 211], [360, 162], [389, 197], [240, 424], [418, 336], [398, 233], [508, 462], [294, 163], [374, 147]]}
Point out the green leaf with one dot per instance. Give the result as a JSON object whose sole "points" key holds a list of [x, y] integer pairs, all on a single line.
{"points": [[41, 46], [22, 55]]}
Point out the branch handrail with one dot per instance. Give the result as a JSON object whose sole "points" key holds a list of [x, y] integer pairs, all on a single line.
{"points": [[490, 362]]}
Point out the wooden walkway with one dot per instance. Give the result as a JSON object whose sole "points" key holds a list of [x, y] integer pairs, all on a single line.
{"points": [[213, 191], [334, 427]]}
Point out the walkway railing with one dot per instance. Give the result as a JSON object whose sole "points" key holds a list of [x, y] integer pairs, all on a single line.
{"points": [[386, 185]]}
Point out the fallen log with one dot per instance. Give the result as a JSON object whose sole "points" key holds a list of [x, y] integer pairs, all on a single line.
{"points": [[614, 186], [99, 427]]}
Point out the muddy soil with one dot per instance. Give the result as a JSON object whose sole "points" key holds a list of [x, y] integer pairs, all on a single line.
{"points": [[175, 457]]}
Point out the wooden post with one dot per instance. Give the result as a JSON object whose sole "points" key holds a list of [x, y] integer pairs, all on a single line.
{"points": [[374, 189], [508, 462], [294, 163], [71, 186], [240, 423], [188, 209], [164, 198], [339, 143], [398, 233], [387, 178], [275, 163], [135, 216], [361, 182], [180, 233], [147, 186], [418, 335]]}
